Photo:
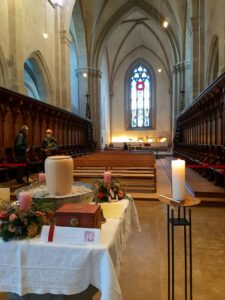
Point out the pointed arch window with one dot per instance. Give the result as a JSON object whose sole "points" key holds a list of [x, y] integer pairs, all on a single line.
{"points": [[140, 87]]}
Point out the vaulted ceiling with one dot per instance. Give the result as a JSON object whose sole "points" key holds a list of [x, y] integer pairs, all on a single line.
{"points": [[125, 26]]}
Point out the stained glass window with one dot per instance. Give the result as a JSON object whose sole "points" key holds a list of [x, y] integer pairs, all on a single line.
{"points": [[140, 97]]}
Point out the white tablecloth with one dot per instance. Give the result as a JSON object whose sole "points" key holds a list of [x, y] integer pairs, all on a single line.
{"points": [[32, 266]]}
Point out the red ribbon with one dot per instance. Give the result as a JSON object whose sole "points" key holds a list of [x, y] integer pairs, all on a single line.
{"points": [[51, 233], [13, 165]]}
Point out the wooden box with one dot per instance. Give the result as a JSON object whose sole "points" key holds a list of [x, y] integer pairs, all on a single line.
{"points": [[79, 215]]}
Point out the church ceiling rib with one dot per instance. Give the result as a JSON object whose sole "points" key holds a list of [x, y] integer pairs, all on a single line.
{"points": [[132, 51], [39, 59], [80, 34], [166, 66], [97, 20], [116, 18], [120, 46]]}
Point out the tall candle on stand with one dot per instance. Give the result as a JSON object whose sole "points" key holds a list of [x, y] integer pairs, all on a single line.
{"points": [[107, 177], [178, 179]]}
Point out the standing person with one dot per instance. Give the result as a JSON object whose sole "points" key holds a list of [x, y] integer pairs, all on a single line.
{"points": [[20, 149], [49, 144]]}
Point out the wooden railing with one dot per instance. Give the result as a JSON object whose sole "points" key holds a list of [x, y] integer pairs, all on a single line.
{"points": [[200, 129], [17, 109], [203, 121]]}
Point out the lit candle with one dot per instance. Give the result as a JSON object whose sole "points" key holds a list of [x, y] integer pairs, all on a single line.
{"points": [[25, 200], [178, 179], [41, 178], [107, 177]]}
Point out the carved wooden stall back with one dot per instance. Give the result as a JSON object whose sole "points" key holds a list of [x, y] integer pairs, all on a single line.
{"points": [[200, 130], [17, 109]]}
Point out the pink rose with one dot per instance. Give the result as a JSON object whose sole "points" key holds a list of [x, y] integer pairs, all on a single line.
{"points": [[12, 217]]}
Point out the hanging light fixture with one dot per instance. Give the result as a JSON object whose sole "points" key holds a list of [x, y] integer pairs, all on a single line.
{"points": [[45, 35]]}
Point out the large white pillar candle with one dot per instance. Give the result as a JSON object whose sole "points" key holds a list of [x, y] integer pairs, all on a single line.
{"points": [[59, 174], [178, 179]]}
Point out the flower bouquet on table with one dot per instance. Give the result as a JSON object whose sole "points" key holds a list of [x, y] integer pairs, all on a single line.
{"points": [[23, 219], [107, 189]]}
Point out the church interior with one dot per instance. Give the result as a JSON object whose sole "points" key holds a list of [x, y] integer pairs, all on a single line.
{"points": [[126, 88]]}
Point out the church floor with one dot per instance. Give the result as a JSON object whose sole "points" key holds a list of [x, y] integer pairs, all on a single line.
{"points": [[143, 273], [144, 267]]}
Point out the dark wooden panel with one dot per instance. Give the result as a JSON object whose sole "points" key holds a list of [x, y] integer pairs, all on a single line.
{"points": [[17, 109]]}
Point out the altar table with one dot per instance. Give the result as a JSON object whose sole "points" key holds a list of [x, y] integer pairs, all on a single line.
{"points": [[32, 266]]}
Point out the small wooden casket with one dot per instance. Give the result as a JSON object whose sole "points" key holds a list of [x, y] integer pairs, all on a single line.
{"points": [[79, 215]]}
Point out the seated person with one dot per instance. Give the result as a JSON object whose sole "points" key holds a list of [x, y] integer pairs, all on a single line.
{"points": [[125, 146], [49, 144]]}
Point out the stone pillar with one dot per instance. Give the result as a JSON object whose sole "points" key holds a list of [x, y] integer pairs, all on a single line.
{"points": [[95, 81], [83, 75], [174, 100], [195, 56], [65, 39], [58, 65], [179, 94], [16, 56]]}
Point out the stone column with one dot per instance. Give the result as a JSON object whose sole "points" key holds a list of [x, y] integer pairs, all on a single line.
{"points": [[95, 82], [83, 75], [65, 39], [196, 56], [179, 95], [16, 56], [58, 91], [174, 101]]}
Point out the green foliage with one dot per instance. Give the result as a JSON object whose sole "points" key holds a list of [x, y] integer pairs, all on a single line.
{"points": [[16, 223], [108, 192]]}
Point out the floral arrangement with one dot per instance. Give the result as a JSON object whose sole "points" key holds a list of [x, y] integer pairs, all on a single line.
{"points": [[19, 223], [108, 191]]}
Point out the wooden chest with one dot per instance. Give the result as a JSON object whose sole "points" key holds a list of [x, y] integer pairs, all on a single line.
{"points": [[79, 215]]}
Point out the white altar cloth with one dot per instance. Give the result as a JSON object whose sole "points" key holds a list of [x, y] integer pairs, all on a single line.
{"points": [[32, 266]]}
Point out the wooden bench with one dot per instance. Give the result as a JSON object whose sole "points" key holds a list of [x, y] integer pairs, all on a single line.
{"points": [[136, 171]]}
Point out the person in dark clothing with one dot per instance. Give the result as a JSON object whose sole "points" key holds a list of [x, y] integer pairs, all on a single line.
{"points": [[20, 149], [49, 144], [125, 146]]}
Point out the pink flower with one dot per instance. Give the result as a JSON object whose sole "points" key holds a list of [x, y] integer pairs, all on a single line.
{"points": [[12, 217]]}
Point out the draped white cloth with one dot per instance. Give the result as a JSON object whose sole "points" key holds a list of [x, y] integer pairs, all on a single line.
{"points": [[32, 266]]}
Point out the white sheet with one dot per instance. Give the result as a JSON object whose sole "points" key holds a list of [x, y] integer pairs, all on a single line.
{"points": [[32, 266]]}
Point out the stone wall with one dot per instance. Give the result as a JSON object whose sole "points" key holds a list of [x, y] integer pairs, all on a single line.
{"points": [[22, 24]]}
